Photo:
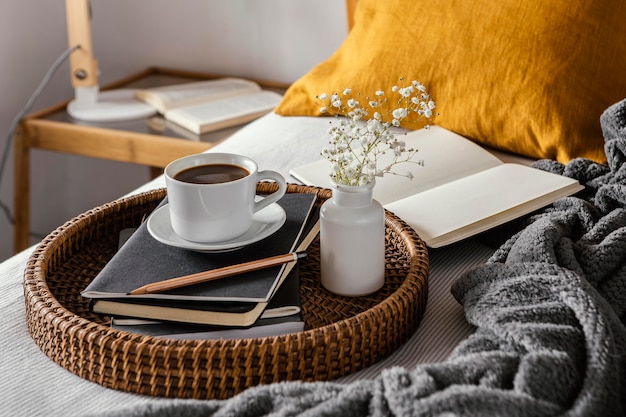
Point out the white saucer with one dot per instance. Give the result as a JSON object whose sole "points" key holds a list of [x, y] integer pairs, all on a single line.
{"points": [[264, 223]]}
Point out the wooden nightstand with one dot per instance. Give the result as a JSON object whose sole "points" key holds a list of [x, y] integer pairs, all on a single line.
{"points": [[153, 142]]}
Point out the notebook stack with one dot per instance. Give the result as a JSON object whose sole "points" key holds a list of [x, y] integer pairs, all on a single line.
{"points": [[259, 303]]}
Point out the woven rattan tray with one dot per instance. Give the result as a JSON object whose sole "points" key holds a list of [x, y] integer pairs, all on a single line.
{"points": [[342, 334]]}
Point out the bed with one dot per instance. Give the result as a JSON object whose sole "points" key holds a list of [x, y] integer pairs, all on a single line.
{"points": [[528, 320]]}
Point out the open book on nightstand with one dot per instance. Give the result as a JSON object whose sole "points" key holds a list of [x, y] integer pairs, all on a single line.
{"points": [[206, 106], [461, 189]]}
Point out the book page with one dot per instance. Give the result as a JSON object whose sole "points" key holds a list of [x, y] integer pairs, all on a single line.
{"points": [[222, 109], [481, 201], [180, 95], [200, 118], [446, 155]]}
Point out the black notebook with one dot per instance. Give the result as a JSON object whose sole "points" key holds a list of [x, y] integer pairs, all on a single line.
{"points": [[282, 315], [143, 260]]}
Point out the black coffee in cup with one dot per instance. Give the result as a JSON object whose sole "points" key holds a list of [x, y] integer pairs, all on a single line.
{"points": [[211, 174], [212, 196]]}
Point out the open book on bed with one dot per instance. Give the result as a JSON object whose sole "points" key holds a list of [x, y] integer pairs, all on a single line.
{"points": [[461, 189]]}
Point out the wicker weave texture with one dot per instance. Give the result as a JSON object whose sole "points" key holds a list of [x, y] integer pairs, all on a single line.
{"points": [[342, 334]]}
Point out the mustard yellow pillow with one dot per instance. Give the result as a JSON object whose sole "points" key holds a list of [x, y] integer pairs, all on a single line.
{"points": [[530, 77]]}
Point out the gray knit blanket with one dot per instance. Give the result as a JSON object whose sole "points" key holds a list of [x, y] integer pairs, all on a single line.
{"points": [[549, 308]]}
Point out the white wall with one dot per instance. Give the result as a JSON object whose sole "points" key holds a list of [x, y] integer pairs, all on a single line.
{"points": [[267, 39]]}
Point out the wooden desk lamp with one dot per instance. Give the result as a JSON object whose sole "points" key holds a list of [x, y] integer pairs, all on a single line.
{"points": [[91, 104]]}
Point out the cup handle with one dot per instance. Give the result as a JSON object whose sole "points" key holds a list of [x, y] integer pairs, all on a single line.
{"points": [[276, 195]]}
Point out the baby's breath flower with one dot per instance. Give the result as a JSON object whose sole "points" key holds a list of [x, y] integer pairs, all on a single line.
{"points": [[406, 91], [399, 113], [359, 141]]}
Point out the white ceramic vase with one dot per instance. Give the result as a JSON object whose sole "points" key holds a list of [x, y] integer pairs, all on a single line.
{"points": [[352, 241]]}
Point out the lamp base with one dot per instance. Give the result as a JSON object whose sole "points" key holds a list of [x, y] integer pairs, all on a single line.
{"points": [[109, 106]]}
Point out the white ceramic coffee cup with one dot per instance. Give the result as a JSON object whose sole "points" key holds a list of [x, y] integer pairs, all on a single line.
{"points": [[216, 212]]}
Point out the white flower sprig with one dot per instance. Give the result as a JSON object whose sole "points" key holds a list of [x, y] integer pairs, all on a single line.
{"points": [[359, 141]]}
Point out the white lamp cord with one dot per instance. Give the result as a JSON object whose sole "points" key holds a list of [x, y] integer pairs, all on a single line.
{"points": [[29, 104]]}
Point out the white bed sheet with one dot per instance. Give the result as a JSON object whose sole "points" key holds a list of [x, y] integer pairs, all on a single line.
{"points": [[31, 384]]}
